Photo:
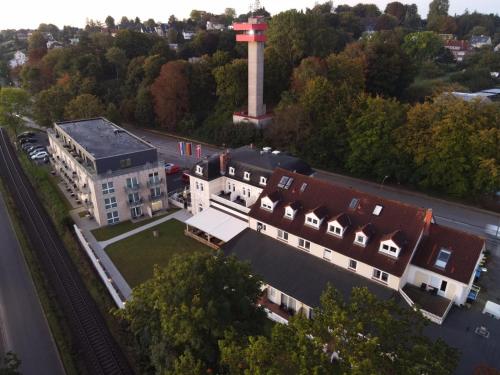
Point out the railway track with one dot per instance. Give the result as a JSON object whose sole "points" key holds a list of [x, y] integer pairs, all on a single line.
{"points": [[91, 337]]}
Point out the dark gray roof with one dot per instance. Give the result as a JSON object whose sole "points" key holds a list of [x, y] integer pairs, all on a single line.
{"points": [[480, 39], [102, 138], [255, 161], [294, 272]]}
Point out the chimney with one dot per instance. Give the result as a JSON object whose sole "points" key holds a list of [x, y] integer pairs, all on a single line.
{"points": [[223, 159], [428, 220]]}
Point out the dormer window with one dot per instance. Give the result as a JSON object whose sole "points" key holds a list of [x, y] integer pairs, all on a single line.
{"points": [[269, 202], [266, 205], [360, 239], [289, 213], [231, 171], [199, 169], [442, 258], [246, 176], [336, 230], [263, 181], [389, 248]]}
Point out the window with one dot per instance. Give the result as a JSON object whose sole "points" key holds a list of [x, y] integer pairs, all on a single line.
{"points": [[311, 220], [335, 230], [442, 258], [199, 169], [289, 213], [377, 210], [282, 235], [155, 192], [154, 178], [229, 186], [135, 212], [352, 264], [304, 244], [360, 239], [125, 163], [244, 191], [327, 255], [231, 171], [248, 193], [132, 182], [246, 176], [113, 217], [266, 206], [380, 275], [261, 227], [110, 203], [390, 249], [263, 180], [444, 284], [201, 186], [134, 198], [108, 188]]}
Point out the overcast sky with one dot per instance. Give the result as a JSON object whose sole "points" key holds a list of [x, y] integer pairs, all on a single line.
{"points": [[30, 13]]}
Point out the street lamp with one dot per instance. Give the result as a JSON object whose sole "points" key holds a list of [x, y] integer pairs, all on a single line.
{"points": [[383, 180]]}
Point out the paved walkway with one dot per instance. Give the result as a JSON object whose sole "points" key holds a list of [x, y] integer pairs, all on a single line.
{"points": [[86, 225]]}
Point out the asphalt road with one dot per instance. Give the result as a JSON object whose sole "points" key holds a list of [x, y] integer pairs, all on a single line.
{"points": [[23, 327]]}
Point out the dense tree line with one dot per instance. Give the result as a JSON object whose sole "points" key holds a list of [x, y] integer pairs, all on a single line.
{"points": [[198, 316], [344, 84]]}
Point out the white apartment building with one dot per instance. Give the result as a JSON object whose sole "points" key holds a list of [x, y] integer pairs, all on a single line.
{"points": [[115, 174]]}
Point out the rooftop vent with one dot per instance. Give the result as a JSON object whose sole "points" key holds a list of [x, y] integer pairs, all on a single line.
{"points": [[267, 149], [377, 210], [353, 204]]}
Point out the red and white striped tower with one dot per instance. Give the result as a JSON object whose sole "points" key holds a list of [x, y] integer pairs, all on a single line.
{"points": [[254, 35]]}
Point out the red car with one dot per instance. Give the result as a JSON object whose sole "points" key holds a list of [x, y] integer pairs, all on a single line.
{"points": [[185, 176], [171, 168]]}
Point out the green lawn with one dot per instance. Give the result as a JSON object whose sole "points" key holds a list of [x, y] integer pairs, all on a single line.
{"points": [[135, 256], [106, 233]]}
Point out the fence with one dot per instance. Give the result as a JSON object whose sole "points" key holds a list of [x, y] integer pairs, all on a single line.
{"points": [[103, 274]]}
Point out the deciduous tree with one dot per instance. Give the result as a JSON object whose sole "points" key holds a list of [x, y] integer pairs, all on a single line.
{"points": [[179, 315], [171, 93], [84, 106], [14, 103]]}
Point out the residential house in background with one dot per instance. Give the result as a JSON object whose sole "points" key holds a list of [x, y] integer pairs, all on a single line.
{"points": [[19, 59], [459, 48], [115, 174], [478, 41], [188, 35], [215, 26]]}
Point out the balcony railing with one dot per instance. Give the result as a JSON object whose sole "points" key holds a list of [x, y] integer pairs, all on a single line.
{"points": [[225, 199], [157, 197], [154, 182], [132, 187], [135, 203]]}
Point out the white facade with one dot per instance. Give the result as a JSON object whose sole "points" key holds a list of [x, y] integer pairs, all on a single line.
{"points": [[19, 59], [202, 191]]}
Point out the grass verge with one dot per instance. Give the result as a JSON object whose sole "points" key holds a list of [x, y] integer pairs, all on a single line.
{"points": [[106, 233], [57, 207], [135, 256]]}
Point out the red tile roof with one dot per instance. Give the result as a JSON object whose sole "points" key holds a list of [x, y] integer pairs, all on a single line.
{"points": [[336, 199], [463, 44], [465, 252]]}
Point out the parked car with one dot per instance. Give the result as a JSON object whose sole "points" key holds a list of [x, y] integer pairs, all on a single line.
{"points": [[185, 176], [37, 150], [171, 168], [39, 155], [27, 140], [26, 146], [26, 135]]}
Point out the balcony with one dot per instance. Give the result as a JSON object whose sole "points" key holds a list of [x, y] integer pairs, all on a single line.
{"points": [[154, 182], [132, 187], [274, 312], [237, 204], [135, 203], [431, 305], [154, 198]]}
